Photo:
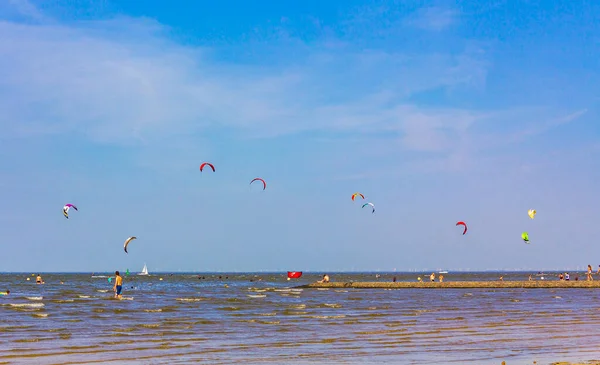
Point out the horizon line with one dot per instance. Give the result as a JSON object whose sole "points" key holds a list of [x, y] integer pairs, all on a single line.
{"points": [[305, 272]]}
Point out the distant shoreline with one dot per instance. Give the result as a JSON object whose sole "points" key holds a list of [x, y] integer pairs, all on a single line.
{"points": [[536, 284]]}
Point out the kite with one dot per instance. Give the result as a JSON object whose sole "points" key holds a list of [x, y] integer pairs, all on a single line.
{"points": [[259, 179], [207, 164], [531, 213], [127, 242], [357, 194], [294, 274], [371, 204], [462, 224], [66, 209], [525, 237]]}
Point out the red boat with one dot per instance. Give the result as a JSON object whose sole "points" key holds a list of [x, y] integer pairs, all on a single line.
{"points": [[294, 274]]}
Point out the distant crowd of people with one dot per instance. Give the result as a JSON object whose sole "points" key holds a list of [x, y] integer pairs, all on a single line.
{"points": [[590, 275], [562, 276]]}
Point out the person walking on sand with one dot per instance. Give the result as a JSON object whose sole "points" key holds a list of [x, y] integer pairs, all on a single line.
{"points": [[432, 277], [589, 273], [441, 278], [118, 285]]}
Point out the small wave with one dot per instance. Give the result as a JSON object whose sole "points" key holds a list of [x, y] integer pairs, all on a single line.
{"points": [[102, 291], [63, 300], [152, 310], [35, 298], [26, 305], [451, 319], [229, 308], [99, 276], [297, 306], [151, 325], [257, 296], [288, 312], [268, 322], [84, 296], [190, 299], [327, 317], [332, 305], [283, 290], [40, 315]]}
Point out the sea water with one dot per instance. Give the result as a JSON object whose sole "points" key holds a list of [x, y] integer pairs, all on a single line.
{"points": [[262, 318]]}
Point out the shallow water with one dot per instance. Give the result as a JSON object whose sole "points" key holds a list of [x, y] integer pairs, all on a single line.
{"points": [[183, 319]]}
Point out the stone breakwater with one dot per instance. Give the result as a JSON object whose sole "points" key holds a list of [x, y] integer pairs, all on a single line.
{"points": [[538, 284]]}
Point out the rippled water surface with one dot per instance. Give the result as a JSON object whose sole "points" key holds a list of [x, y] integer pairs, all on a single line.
{"points": [[262, 318]]}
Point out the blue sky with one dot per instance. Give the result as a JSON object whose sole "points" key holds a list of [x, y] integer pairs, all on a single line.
{"points": [[436, 111]]}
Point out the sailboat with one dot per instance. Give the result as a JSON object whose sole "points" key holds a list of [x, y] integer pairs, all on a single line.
{"points": [[144, 270]]}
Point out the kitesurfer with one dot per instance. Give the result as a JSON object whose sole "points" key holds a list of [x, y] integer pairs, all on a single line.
{"points": [[6, 293], [118, 285]]}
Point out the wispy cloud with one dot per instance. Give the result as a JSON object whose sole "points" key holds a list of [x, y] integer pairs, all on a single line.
{"points": [[123, 80], [544, 126], [26, 9], [433, 18]]}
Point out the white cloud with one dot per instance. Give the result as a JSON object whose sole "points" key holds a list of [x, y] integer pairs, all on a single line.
{"points": [[123, 80], [24, 8], [433, 18]]}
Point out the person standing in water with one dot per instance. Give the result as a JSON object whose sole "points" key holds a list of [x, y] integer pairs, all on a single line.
{"points": [[118, 285], [39, 280]]}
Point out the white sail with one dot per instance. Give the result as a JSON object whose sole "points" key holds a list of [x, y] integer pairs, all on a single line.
{"points": [[144, 270]]}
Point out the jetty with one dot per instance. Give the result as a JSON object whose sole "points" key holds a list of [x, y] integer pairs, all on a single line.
{"points": [[535, 284]]}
